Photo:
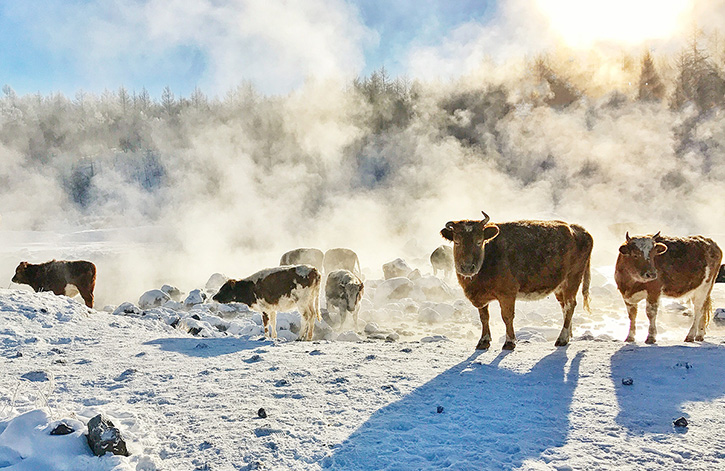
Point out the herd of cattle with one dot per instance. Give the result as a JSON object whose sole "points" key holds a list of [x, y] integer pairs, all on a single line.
{"points": [[493, 262]]}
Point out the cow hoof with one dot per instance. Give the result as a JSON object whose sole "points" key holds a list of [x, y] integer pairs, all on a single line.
{"points": [[629, 338], [483, 345], [650, 340], [689, 339], [509, 346], [560, 343], [699, 338]]}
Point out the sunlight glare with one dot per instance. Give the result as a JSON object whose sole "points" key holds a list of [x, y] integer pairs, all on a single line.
{"points": [[630, 22]]}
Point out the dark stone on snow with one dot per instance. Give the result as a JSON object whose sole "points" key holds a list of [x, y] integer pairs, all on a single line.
{"points": [[439, 409], [627, 381], [175, 322], [681, 422], [62, 429], [407, 350], [196, 316], [282, 382], [195, 330], [253, 359], [18, 355], [104, 437], [261, 413], [36, 376]]}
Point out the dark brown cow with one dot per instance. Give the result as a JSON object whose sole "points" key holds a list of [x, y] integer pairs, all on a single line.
{"points": [[520, 260], [304, 256], [56, 275], [278, 289], [721, 275], [442, 259], [654, 265], [342, 259]]}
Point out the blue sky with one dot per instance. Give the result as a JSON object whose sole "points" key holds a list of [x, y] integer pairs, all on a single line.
{"points": [[68, 45]]}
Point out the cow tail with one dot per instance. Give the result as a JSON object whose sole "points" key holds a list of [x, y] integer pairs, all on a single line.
{"points": [[707, 310], [585, 284]]}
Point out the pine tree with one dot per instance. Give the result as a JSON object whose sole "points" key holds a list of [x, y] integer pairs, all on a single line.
{"points": [[651, 87]]}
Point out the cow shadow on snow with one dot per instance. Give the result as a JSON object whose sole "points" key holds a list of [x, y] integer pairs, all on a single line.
{"points": [[664, 380], [207, 347], [492, 418]]}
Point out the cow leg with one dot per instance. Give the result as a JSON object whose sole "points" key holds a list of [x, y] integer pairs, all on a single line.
{"points": [[355, 315], [700, 305], [507, 314], [273, 324], [632, 312], [652, 307], [568, 303], [485, 340], [265, 323], [87, 296]]}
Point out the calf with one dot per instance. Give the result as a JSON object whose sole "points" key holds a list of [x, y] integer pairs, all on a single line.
{"points": [[651, 266], [303, 256], [278, 289], [57, 275], [520, 260], [343, 291], [442, 259]]}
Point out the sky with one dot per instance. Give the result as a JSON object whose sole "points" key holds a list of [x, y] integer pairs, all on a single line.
{"points": [[68, 45]]}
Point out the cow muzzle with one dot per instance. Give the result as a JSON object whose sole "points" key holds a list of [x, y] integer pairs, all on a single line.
{"points": [[649, 275]]}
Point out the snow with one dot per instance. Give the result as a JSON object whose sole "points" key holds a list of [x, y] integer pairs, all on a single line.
{"points": [[407, 391]]}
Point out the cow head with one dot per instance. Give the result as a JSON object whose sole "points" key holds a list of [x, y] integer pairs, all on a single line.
{"points": [[241, 291], [638, 254], [469, 239], [21, 273]]}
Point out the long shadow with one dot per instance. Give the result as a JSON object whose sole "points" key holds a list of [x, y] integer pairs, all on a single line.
{"points": [[664, 379], [492, 418], [207, 348]]}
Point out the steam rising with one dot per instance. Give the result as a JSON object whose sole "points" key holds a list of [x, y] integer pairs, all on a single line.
{"points": [[179, 188]]}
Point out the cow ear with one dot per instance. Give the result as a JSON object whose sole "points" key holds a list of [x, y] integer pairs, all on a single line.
{"points": [[490, 232], [447, 233], [624, 249], [660, 248]]}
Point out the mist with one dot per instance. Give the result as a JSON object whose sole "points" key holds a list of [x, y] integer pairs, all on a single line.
{"points": [[172, 189]]}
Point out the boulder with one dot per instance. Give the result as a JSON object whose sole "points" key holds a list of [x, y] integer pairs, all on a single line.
{"points": [[433, 288], [195, 297], [395, 269], [152, 299], [393, 289], [104, 437], [127, 309], [215, 282], [173, 292]]}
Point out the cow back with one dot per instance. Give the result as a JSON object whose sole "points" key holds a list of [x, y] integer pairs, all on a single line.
{"points": [[273, 284], [684, 265]]}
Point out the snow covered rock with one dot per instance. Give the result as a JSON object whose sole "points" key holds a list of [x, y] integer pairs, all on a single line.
{"points": [[395, 269], [393, 289], [153, 298], [173, 292], [349, 336], [103, 437], [433, 288], [215, 282], [195, 297], [126, 309], [719, 314]]}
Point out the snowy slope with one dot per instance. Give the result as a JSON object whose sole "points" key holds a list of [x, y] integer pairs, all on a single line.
{"points": [[189, 402]]}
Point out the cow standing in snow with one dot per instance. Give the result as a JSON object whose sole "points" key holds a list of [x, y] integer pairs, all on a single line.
{"points": [[59, 276], [651, 266], [342, 259], [343, 291], [278, 289], [303, 256], [520, 260], [442, 259]]}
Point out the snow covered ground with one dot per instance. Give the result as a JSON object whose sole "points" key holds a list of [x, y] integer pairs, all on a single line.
{"points": [[409, 392]]}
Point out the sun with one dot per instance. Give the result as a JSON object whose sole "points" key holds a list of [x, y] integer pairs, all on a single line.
{"points": [[582, 23]]}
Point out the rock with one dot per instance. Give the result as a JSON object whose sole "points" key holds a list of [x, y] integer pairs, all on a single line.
{"points": [[719, 315], [62, 429], [152, 299], [395, 269], [195, 297], [392, 290], [126, 309], [681, 422], [261, 413], [172, 291], [439, 409], [627, 381], [104, 437], [36, 376], [215, 282], [434, 289], [414, 275]]}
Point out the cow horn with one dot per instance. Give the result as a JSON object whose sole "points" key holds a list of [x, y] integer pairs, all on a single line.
{"points": [[627, 236], [449, 225], [486, 218], [656, 235]]}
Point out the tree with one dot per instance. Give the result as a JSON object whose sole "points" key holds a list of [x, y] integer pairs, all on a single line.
{"points": [[168, 102], [651, 87], [699, 80]]}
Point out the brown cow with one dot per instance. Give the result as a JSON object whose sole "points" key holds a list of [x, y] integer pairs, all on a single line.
{"points": [[650, 266], [56, 275], [278, 289], [520, 260]]}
